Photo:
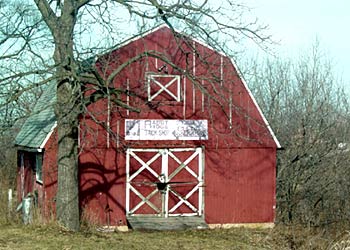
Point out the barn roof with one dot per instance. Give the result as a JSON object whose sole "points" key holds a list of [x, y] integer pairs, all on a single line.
{"points": [[155, 29], [39, 125]]}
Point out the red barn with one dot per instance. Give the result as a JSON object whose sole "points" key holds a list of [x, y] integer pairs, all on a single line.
{"points": [[184, 145]]}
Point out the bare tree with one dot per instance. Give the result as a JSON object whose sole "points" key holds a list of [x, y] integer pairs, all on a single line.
{"points": [[65, 29], [309, 112], [20, 31]]}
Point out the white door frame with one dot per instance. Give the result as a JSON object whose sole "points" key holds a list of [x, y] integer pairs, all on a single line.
{"points": [[165, 177]]}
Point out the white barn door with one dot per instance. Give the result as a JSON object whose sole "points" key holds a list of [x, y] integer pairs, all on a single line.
{"points": [[164, 182]]}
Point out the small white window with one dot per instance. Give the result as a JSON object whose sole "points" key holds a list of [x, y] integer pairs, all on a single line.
{"points": [[163, 86], [38, 168]]}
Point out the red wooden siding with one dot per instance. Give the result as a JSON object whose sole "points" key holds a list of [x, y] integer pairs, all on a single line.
{"points": [[240, 154], [239, 157], [102, 186], [241, 189], [50, 176], [25, 174]]}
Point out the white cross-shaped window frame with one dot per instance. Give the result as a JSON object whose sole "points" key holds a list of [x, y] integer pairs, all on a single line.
{"points": [[174, 79]]}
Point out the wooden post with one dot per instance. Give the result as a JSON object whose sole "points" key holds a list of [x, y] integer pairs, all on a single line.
{"points": [[9, 202]]}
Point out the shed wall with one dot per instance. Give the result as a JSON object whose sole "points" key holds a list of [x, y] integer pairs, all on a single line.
{"points": [[50, 176], [25, 174]]}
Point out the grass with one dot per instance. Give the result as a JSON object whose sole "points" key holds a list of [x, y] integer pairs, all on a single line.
{"points": [[14, 235], [50, 236], [53, 237]]}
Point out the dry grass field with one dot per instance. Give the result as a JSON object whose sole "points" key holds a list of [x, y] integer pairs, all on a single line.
{"points": [[50, 236], [40, 235]]}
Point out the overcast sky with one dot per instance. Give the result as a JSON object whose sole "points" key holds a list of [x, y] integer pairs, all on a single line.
{"points": [[296, 24]]}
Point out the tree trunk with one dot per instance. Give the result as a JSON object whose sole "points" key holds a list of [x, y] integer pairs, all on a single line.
{"points": [[67, 108], [67, 200]]}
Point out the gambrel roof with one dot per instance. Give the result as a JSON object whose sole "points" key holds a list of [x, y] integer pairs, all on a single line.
{"points": [[41, 122], [39, 126]]}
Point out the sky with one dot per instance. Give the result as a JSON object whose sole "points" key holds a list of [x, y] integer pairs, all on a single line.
{"points": [[297, 24]]}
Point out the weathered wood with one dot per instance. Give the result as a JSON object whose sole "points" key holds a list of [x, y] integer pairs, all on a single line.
{"points": [[170, 223]]}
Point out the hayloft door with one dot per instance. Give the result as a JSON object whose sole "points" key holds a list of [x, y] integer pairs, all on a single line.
{"points": [[164, 182]]}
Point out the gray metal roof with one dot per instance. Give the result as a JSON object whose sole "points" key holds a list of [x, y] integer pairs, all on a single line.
{"points": [[40, 122]]}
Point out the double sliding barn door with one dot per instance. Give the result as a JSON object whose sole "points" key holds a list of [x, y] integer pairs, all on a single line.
{"points": [[164, 182]]}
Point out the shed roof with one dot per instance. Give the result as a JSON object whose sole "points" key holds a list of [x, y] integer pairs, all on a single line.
{"points": [[41, 121]]}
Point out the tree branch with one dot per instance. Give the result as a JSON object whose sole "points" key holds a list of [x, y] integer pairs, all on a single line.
{"points": [[48, 15]]}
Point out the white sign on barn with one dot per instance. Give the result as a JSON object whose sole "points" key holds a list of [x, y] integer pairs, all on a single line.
{"points": [[166, 129]]}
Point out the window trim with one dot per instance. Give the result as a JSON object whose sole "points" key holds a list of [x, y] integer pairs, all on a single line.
{"points": [[176, 80], [39, 159]]}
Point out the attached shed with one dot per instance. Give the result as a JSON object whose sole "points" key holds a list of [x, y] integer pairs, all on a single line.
{"points": [[199, 152], [37, 153]]}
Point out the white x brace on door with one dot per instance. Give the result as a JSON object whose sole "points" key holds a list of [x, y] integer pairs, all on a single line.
{"points": [[164, 182]]}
